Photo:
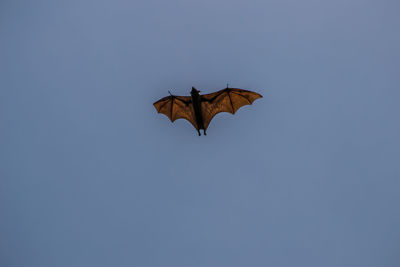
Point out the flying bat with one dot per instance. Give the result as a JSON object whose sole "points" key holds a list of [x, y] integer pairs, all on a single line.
{"points": [[200, 109]]}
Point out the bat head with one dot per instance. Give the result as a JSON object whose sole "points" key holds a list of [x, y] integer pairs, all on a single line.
{"points": [[194, 91]]}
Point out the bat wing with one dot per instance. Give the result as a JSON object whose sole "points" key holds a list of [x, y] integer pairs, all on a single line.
{"points": [[177, 107], [226, 100]]}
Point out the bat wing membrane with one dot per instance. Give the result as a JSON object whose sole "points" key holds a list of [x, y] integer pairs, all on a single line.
{"points": [[226, 100], [177, 107]]}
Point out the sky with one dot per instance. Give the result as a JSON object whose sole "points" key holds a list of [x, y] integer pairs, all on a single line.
{"points": [[91, 175]]}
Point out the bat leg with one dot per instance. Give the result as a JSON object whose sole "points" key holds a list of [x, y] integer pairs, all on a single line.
{"points": [[204, 131], [199, 132]]}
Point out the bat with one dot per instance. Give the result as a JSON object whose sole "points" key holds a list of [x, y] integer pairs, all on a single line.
{"points": [[200, 109]]}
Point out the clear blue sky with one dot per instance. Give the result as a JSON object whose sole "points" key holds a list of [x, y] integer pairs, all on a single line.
{"points": [[91, 175]]}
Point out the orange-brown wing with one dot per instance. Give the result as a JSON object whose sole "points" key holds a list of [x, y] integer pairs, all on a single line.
{"points": [[177, 107], [226, 100]]}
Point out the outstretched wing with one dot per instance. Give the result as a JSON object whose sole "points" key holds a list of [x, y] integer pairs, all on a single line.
{"points": [[226, 100], [177, 107]]}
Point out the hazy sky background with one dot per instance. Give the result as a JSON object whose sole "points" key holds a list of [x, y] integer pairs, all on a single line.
{"points": [[91, 175]]}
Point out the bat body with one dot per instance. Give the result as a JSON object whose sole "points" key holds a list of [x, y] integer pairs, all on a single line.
{"points": [[200, 109], [196, 100]]}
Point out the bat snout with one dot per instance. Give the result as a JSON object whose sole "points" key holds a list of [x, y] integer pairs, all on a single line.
{"points": [[194, 90]]}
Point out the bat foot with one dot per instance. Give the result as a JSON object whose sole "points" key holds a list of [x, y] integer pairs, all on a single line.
{"points": [[205, 133]]}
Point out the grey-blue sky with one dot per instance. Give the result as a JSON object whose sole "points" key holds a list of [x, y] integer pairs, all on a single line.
{"points": [[92, 176]]}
